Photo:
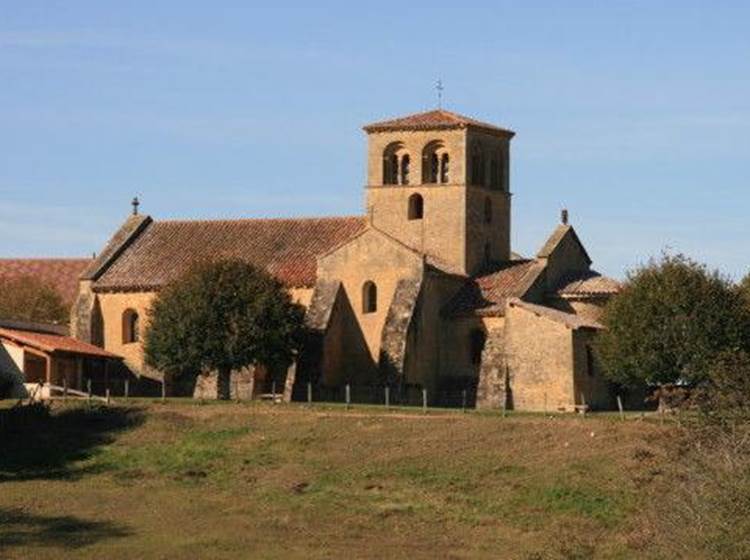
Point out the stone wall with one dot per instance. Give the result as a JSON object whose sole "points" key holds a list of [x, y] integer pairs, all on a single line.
{"points": [[393, 346]]}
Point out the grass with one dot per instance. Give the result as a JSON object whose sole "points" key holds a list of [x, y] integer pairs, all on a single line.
{"points": [[173, 480]]}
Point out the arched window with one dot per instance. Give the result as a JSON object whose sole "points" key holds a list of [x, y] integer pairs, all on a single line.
{"points": [[477, 339], [434, 163], [391, 156], [369, 297], [416, 207], [405, 164], [130, 327], [487, 210], [477, 165], [444, 168]]}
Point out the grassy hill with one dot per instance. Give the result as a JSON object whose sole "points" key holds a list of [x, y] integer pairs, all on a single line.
{"points": [[152, 480]]}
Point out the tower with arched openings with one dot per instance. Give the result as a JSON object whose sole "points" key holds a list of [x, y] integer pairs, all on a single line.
{"points": [[456, 168]]}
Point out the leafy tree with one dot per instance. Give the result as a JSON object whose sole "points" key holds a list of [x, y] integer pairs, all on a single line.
{"points": [[222, 316], [670, 322], [27, 298], [744, 288]]}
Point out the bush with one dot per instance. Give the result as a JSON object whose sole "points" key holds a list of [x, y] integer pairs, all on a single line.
{"points": [[27, 298]]}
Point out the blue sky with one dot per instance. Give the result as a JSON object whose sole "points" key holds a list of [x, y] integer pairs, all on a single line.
{"points": [[634, 115]]}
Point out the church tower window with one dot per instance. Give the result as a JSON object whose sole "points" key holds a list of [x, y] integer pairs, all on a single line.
{"points": [[416, 207], [369, 297], [391, 156], [405, 164], [444, 168]]}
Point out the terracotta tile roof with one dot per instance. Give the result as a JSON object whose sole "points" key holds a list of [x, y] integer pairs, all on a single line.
{"points": [[51, 343], [568, 319], [287, 248], [487, 293], [61, 274], [432, 120], [128, 231], [589, 283]]}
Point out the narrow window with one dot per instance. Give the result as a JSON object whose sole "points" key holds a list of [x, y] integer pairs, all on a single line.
{"points": [[390, 163], [369, 297], [433, 174], [477, 166], [130, 327], [477, 339], [487, 210], [405, 169], [444, 168], [416, 207]]}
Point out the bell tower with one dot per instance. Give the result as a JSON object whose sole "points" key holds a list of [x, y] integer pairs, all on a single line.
{"points": [[439, 183]]}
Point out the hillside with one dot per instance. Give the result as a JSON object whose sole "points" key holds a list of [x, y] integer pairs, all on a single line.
{"points": [[225, 481]]}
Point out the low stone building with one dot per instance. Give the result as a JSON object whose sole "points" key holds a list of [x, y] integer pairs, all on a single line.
{"points": [[422, 292]]}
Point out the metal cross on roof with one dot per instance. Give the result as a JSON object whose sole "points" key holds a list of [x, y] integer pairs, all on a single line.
{"points": [[439, 88], [135, 202]]}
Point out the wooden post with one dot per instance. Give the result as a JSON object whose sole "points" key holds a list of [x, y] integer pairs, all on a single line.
{"points": [[424, 401], [65, 389], [108, 397], [127, 388], [273, 391], [463, 400], [309, 393], [163, 390], [348, 395], [387, 396], [88, 387], [583, 404], [619, 406]]}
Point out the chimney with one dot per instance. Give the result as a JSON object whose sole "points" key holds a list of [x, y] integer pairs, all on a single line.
{"points": [[564, 216]]}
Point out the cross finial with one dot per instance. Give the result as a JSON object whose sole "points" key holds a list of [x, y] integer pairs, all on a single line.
{"points": [[564, 216], [439, 88], [135, 202]]}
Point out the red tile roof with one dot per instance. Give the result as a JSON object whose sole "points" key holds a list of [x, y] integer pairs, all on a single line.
{"points": [[286, 248], [570, 320], [51, 343], [487, 293], [589, 283], [61, 274], [432, 120]]}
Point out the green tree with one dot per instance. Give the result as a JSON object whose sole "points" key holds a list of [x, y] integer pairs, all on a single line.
{"points": [[222, 316], [670, 322], [28, 298], [744, 288]]}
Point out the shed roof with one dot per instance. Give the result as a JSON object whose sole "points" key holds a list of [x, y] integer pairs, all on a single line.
{"points": [[52, 343], [570, 320]]}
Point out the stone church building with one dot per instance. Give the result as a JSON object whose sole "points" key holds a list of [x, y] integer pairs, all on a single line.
{"points": [[422, 291]]}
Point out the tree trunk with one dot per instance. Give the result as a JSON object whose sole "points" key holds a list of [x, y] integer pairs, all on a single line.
{"points": [[223, 384]]}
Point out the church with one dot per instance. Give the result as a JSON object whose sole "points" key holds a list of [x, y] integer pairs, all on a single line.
{"points": [[421, 292]]}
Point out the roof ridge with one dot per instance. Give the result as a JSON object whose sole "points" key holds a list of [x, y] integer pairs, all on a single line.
{"points": [[262, 219]]}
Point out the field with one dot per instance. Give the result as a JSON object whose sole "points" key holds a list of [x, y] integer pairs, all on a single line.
{"points": [[178, 480]]}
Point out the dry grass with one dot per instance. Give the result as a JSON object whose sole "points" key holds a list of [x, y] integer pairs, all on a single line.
{"points": [[263, 481]]}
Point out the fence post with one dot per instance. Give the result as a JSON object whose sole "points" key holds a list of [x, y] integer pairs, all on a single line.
{"points": [[348, 395], [309, 393], [463, 400], [387, 397], [424, 401], [237, 388], [163, 390], [88, 387], [273, 391], [619, 406], [127, 388], [583, 404], [65, 389], [107, 393]]}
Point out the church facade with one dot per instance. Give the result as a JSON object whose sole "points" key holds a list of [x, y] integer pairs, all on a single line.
{"points": [[421, 292]]}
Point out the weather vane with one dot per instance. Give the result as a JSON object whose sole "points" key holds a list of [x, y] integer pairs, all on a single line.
{"points": [[439, 87]]}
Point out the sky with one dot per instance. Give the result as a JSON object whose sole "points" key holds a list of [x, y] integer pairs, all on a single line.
{"points": [[633, 115]]}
